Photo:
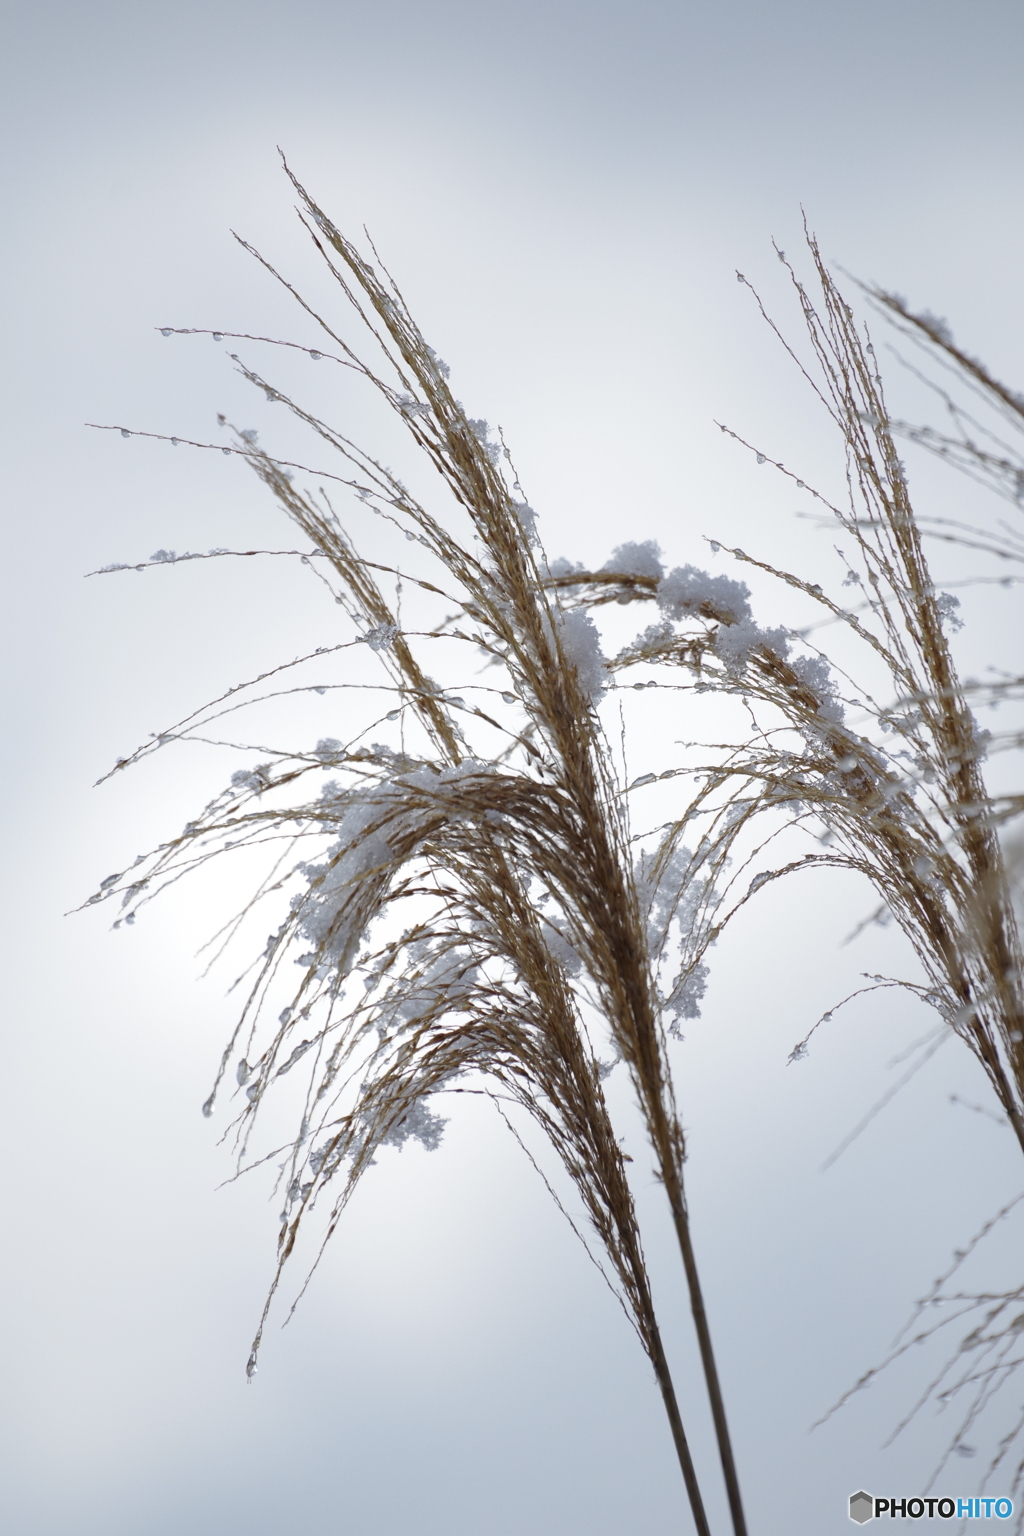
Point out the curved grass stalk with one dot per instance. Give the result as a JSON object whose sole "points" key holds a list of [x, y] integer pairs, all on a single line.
{"points": [[904, 803], [511, 867], [913, 815]]}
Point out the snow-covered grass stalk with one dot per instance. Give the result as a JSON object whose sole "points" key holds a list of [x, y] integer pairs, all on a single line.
{"points": [[468, 902], [901, 796], [893, 790], [473, 913]]}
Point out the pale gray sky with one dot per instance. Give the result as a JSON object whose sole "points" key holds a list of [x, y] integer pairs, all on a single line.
{"points": [[564, 192]]}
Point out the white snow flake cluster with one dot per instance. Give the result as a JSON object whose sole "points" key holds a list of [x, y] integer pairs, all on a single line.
{"points": [[581, 646], [637, 560], [733, 643], [687, 591], [419, 1124], [382, 637], [674, 894], [329, 912]]}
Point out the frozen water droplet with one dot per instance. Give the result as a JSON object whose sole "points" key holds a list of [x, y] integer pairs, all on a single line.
{"points": [[316, 356], [250, 1369], [740, 278], [410, 536], [217, 336], [800, 485], [225, 450], [508, 698], [456, 703], [242, 1071], [208, 1107], [760, 458], [394, 714], [645, 778], [125, 432], [174, 442], [639, 685], [826, 1018], [165, 330]]}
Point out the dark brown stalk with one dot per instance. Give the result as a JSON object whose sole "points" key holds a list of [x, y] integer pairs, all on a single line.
{"points": [[668, 1145], [668, 1393], [681, 1218]]}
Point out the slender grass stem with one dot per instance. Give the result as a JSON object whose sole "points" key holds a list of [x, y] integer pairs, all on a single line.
{"points": [[668, 1394], [681, 1220]]}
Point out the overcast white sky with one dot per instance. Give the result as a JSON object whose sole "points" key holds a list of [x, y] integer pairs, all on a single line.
{"points": [[564, 192]]}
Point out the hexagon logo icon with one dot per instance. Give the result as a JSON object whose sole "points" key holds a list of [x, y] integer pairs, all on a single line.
{"points": [[862, 1507]]}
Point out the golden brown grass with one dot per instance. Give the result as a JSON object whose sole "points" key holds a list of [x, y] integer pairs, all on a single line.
{"points": [[902, 799], [509, 867], [472, 911], [912, 813]]}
